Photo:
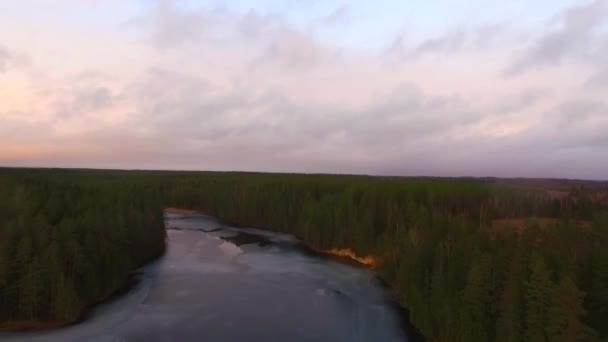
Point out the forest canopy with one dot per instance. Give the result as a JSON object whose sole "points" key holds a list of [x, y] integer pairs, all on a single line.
{"points": [[471, 259]]}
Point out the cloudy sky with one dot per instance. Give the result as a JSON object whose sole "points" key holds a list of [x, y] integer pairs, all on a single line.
{"points": [[447, 88]]}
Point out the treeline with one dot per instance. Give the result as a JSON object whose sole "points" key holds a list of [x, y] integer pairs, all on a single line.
{"points": [[541, 275], [471, 259], [65, 245]]}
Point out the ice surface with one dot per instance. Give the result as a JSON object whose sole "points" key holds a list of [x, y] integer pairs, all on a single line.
{"points": [[237, 284]]}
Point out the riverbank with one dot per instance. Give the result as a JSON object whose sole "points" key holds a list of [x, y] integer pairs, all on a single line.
{"points": [[369, 260], [345, 254], [20, 326], [41, 325], [179, 211], [219, 282]]}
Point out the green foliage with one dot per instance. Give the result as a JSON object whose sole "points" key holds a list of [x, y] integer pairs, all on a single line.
{"points": [[70, 238], [509, 325], [566, 313], [60, 248], [473, 308], [539, 288]]}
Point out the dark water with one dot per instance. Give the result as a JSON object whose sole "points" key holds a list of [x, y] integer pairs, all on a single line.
{"points": [[223, 283]]}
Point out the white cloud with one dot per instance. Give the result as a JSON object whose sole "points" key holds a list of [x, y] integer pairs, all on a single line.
{"points": [[208, 88], [573, 35]]}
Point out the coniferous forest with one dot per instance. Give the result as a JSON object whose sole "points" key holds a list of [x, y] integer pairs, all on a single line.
{"points": [[471, 259]]}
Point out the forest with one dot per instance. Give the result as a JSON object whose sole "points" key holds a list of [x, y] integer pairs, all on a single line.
{"points": [[67, 243], [470, 259]]}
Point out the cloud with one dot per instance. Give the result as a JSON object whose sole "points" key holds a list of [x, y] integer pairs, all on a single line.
{"points": [[337, 16], [569, 113], [7, 59], [84, 101], [451, 43], [598, 80], [486, 36], [294, 49], [260, 37], [251, 89], [573, 34], [171, 26], [521, 101], [14, 126]]}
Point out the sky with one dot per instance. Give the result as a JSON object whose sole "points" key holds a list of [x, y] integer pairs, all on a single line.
{"points": [[436, 88]]}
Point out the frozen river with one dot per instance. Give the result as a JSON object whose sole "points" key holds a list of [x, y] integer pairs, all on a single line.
{"points": [[223, 283]]}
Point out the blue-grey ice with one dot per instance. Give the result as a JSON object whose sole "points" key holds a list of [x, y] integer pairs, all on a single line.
{"points": [[223, 283]]}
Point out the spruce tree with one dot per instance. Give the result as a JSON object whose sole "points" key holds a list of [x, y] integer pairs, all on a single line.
{"points": [[566, 312], [474, 313], [509, 322], [539, 289]]}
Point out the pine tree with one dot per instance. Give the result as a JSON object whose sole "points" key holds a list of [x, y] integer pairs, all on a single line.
{"points": [[538, 298], [67, 302], [474, 299], [5, 263], [509, 323], [566, 313], [597, 296], [30, 291], [24, 251], [437, 295]]}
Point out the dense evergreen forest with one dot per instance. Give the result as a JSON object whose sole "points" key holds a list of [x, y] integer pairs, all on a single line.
{"points": [[67, 242], [471, 259]]}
